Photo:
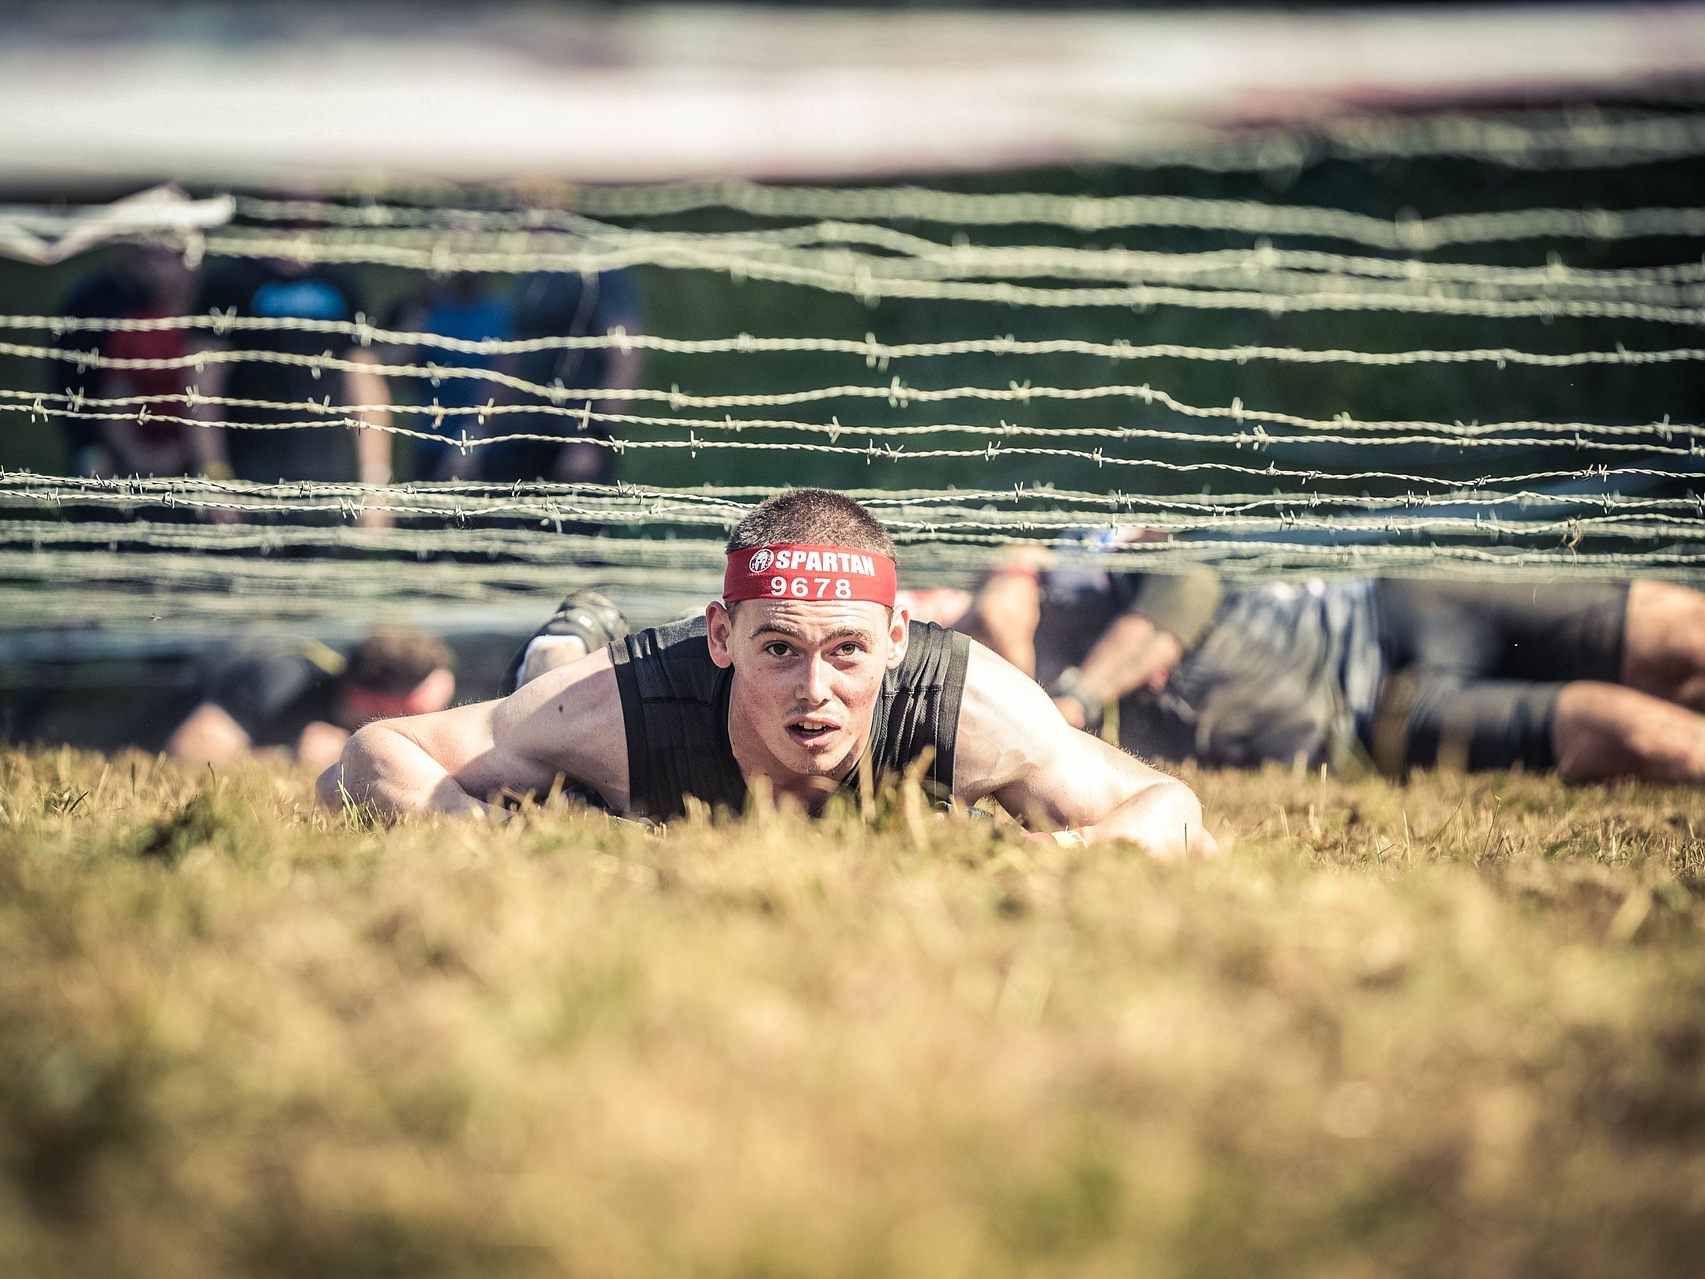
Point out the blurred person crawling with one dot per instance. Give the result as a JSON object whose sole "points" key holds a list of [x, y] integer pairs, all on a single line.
{"points": [[806, 678], [306, 699], [1591, 679]]}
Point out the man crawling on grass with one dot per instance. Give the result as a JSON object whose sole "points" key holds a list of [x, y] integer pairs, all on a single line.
{"points": [[803, 679]]}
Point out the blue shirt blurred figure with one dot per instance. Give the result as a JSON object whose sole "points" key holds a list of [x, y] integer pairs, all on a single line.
{"points": [[462, 308]]}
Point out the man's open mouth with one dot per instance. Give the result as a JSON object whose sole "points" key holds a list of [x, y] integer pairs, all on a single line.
{"points": [[807, 731]]}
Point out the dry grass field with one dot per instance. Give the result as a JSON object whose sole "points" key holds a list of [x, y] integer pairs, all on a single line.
{"points": [[1453, 1029]]}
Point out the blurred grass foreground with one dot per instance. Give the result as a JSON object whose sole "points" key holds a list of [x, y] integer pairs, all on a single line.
{"points": [[1453, 1029]]}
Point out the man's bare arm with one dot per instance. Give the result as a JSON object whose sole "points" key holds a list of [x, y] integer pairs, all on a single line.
{"points": [[1008, 607], [1014, 746], [1131, 653], [1167, 616], [385, 770], [366, 387], [567, 724], [209, 735], [320, 745], [207, 442]]}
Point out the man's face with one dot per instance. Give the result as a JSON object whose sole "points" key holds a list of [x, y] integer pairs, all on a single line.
{"points": [[806, 679]]}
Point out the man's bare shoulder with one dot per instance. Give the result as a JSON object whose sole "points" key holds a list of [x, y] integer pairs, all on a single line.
{"points": [[1014, 745], [1007, 725], [570, 721], [565, 724]]}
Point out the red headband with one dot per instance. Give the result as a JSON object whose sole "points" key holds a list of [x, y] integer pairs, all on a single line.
{"points": [[366, 705], [808, 573]]}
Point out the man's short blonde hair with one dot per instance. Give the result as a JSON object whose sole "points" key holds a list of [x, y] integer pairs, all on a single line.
{"points": [[811, 517]]}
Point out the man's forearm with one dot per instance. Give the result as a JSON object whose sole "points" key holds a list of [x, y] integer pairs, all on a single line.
{"points": [[382, 771], [1165, 818], [1008, 610], [1126, 656], [368, 391], [207, 442]]}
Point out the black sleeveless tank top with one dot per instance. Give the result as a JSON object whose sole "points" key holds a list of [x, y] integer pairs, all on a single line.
{"points": [[675, 710]]}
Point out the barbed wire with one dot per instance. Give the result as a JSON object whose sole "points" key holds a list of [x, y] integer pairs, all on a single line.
{"points": [[1483, 511], [187, 612], [941, 549], [1257, 439], [580, 549], [876, 354], [723, 506], [872, 287], [1304, 524], [920, 257], [896, 393], [1560, 533], [1105, 213], [1101, 213], [70, 547], [327, 414], [943, 535], [160, 576], [656, 511], [350, 579]]}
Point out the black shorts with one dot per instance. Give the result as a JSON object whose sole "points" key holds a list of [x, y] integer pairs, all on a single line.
{"points": [[1474, 669]]}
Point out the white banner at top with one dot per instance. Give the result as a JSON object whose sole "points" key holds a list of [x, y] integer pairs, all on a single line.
{"points": [[322, 94]]}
